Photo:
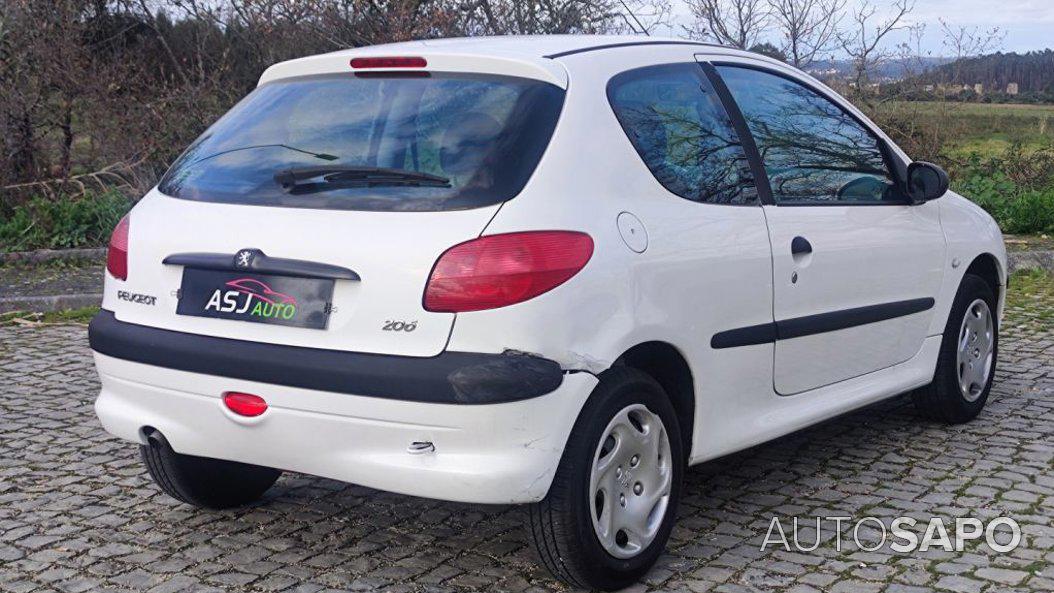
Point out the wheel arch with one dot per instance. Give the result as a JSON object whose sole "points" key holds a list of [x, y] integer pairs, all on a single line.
{"points": [[666, 364], [987, 267]]}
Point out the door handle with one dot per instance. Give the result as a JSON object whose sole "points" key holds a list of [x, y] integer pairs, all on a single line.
{"points": [[800, 246]]}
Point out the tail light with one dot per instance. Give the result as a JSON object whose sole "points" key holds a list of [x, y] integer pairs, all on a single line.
{"points": [[117, 255], [500, 270]]}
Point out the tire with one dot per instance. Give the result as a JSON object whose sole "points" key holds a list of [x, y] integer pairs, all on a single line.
{"points": [[944, 400], [202, 481], [561, 527]]}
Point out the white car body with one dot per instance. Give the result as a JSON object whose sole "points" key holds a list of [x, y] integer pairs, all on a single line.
{"points": [[676, 274]]}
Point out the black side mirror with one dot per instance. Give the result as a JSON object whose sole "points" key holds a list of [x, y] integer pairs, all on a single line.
{"points": [[926, 182]]}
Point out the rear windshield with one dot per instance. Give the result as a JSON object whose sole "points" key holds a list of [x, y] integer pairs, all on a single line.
{"points": [[441, 141]]}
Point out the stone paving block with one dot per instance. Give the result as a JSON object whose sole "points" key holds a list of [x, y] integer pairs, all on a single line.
{"points": [[78, 512]]}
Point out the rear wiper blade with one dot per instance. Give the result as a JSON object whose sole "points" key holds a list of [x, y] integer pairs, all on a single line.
{"points": [[289, 178]]}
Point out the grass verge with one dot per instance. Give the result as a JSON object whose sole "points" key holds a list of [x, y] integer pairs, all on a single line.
{"points": [[61, 223], [82, 315], [1030, 300]]}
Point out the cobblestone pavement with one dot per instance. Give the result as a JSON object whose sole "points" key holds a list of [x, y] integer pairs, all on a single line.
{"points": [[78, 513]]}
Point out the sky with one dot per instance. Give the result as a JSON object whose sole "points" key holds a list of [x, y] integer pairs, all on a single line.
{"points": [[1027, 24]]}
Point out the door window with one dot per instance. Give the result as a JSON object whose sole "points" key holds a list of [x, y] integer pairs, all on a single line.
{"points": [[679, 128], [813, 151]]}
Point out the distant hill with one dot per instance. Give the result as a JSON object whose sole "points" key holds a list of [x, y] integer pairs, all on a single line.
{"points": [[1032, 72], [890, 70], [999, 77]]}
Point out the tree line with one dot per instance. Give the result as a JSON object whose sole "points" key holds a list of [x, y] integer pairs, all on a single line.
{"points": [[96, 94], [102, 93], [1032, 72]]}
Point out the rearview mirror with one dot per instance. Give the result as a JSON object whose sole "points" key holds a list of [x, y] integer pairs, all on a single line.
{"points": [[926, 182]]}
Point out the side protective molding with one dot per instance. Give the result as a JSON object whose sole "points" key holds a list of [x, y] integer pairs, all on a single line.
{"points": [[798, 327]]}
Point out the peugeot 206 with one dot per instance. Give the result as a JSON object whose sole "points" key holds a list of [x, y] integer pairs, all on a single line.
{"points": [[550, 271]]}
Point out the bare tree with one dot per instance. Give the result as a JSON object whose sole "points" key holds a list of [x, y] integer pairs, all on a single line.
{"points": [[738, 23], [809, 27], [96, 90], [921, 129], [40, 81], [863, 41], [965, 42], [642, 16], [925, 129], [503, 17], [910, 53]]}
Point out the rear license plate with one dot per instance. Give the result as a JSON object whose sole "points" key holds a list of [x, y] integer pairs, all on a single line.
{"points": [[259, 298]]}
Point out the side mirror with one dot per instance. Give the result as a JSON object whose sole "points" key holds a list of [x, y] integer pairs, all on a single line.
{"points": [[926, 182]]}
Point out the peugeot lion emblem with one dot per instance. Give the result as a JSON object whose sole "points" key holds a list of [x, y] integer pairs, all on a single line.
{"points": [[244, 258]]}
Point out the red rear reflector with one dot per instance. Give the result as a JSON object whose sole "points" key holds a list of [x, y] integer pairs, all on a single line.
{"points": [[500, 270], [244, 404], [117, 255], [389, 62]]}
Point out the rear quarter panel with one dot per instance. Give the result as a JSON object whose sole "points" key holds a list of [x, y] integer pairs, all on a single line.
{"points": [[707, 268]]}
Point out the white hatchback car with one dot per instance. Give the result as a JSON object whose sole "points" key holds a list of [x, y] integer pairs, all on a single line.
{"points": [[544, 270]]}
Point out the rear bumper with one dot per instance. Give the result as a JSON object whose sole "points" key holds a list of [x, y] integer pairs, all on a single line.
{"points": [[451, 377], [496, 453]]}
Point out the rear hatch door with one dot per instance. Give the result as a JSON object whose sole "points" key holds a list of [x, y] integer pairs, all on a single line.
{"points": [[376, 175], [392, 253]]}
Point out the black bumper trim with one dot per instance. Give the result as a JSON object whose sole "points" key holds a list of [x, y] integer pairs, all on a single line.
{"points": [[448, 378]]}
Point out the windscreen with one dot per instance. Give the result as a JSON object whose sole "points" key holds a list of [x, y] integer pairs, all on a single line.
{"points": [[418, 142]]}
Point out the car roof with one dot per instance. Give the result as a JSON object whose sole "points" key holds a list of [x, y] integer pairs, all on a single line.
{"points": [[525, 46], [533, 56]]}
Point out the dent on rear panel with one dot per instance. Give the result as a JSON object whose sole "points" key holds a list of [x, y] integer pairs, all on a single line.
{"points": [[497, 378]]}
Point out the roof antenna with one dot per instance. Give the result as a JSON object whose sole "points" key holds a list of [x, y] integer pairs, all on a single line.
{"points": [[643, 29]]}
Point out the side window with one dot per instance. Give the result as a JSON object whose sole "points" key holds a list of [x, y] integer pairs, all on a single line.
{"points": [[813, 151], [677, 124]]}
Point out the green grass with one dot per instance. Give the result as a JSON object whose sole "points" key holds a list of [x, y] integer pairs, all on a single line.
{"points": [[61, 223], [987, 129], [1017, 209], [1015, 186], [993, 145], [1000, 156], [82, 315], [1042, 242], [1025, 111], [1030, 300]]}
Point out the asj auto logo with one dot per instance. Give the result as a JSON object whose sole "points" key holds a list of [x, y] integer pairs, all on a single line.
{"points": [[253, 297]]}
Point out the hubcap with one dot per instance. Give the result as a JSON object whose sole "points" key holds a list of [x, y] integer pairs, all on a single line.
{"points": [[976, 345], [630, 481]]}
